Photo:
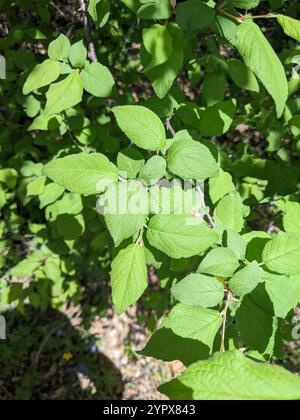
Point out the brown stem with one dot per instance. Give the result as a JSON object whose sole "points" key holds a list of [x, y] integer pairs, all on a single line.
{"points": [[88, 31], [225, 313], [236, 18], [169, 126], [268, 16], [241, 19], [202, 199]]}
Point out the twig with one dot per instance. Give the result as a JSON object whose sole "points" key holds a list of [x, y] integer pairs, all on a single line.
{"points": [[202, 199], [268, 16], [242, 19], [224, 314], [128, 37], [35, 362], [236, 18], [169, 126], [61, 14], [139, 240], [88, 31], [70, 132], [8, 394]]}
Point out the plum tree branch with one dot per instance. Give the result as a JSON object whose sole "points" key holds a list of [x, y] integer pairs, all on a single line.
{"points": [[242, 19], [169, 126], [202, 199], [224, 314], [88, 31]]}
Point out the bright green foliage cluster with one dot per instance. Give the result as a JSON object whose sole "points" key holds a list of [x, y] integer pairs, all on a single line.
{"points": [[218, 107]]}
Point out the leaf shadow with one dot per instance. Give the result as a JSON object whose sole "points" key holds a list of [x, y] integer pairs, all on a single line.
{"points": [[46, 358]]}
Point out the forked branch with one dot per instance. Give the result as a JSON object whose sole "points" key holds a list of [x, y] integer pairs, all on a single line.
{"points": [[88, 31]]}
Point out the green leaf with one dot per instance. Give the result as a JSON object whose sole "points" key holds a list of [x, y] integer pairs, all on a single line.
{"points": [[99, 11], [291, 218], [25, 268], [162, 107], [78, 55], [64, 95], [214, 88], [27, 170], [37, 186], [70, 203], [52, 269], [97, 80], [229, 212], [35, 33], [193, 16], [190, 159], [154, 9], [158, 43], [167, 346], [194, 322], [290, 26], [219, 262], [228, 28], [34, 299], [196, 289], [182, 265], [154, 170], [231, 376], [174, 200], [3, 198], [125, 209], [246, 280], [141, 126], [59, 48], [282, 254], [9, 176], [133, 5], [220, 186], [130, 161], [255, 243], [128, 276], [70, 227], [242, 76], [82, 173], [280, 290], [255, 321], [31, 106], [237, 244], [180, 236], [164, 75], [217, 119], [260, 57], [244, 4], [42, 75], [53, 122], [50, 194], [295, 283]]}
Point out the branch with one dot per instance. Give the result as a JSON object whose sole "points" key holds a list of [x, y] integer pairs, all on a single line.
{"points": [[242, 19], [267, 16], [169, 126], [202, 199], [88, 31], [230, 298], [224, 13], [224, 314]]}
